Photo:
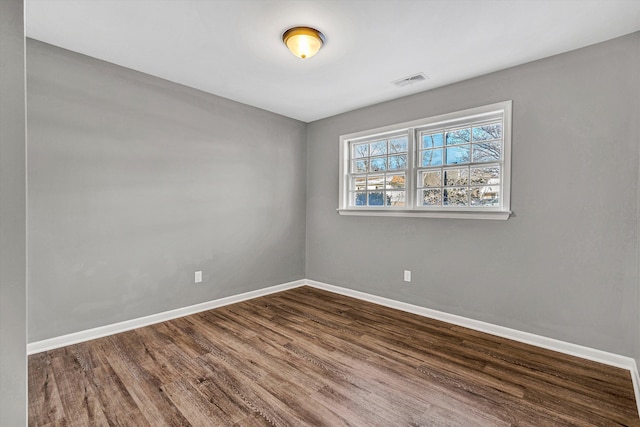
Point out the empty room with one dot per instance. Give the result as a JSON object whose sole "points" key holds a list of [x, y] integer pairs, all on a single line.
{"points": [[319, 213]]}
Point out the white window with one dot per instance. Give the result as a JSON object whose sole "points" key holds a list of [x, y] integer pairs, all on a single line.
{"points": [[456, 165]]}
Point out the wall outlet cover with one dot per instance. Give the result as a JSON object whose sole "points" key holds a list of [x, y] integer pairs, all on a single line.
{"points": [[407, 275]]}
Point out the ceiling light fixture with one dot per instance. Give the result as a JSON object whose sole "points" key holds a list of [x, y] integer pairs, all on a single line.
{"points": [[303, 42]]}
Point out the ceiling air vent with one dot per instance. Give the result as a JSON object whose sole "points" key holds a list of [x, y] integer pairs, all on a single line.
{"points": [[406, 81]]}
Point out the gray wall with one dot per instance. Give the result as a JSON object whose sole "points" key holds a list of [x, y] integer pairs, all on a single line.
{"points": [[136, 182], [13, 268], [634, 86], [566, 264]]}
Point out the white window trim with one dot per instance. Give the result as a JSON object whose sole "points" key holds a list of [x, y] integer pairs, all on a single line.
{"points": [[498, 213]]}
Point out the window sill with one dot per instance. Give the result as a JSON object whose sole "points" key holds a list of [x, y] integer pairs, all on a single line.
{"points": [[491, 215]]}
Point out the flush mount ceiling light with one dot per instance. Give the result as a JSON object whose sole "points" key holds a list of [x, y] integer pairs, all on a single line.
{"points": [[303, 42]]}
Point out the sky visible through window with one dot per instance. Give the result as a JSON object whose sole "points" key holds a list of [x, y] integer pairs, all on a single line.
{"points": [[380, 168]]}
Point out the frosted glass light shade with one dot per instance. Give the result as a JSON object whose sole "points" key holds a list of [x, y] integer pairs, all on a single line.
{"points": [[303, 42]]}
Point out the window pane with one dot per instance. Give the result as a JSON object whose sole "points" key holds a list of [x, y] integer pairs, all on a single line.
{"points": [[432, 140], [456, 177], [360, 166], [458, 155], [360, 150], [378, 164], [485, 175], [456, 196], [487, 132], [487, 152], [432, 197], [376, 199], [396, 181], [431, 178], [378, 148], [398, 145], [375, 182], [395, 198], [360, 199], [460, 136], [359, 183], [485, 196], [432, 157], [398, 162]]}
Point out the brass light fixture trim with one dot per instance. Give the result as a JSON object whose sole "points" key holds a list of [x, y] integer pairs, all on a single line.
{"points": [[303, 42]]}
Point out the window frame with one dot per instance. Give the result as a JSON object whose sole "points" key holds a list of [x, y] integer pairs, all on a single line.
{"points": [[412, 130]]}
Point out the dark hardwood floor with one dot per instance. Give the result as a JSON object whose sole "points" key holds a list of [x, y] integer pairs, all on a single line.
{"points": [[307, 357]]}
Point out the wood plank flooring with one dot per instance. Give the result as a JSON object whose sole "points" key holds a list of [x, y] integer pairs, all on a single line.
{"points": [[307, 357]]}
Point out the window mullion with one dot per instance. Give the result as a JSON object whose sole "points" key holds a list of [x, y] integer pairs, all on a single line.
{"points": [[410, 178]]}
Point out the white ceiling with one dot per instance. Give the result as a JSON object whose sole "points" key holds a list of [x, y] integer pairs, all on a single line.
{"points": [[233, 48]]}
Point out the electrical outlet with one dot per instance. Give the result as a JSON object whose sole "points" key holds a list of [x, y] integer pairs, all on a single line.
{"points": [[197, 277], [407, 275]]}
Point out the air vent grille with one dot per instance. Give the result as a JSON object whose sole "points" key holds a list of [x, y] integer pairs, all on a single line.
{"points": [[406, 81]]}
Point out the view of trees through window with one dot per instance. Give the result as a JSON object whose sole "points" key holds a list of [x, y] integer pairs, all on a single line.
{"points": [[379, 172], [452, 165], [441, 180]]}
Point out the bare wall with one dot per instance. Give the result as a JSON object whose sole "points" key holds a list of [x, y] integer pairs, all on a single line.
{"points": [[566, 264], [136, 182], [13, 256]]}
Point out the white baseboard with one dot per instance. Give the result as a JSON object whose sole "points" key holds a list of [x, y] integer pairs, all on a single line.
{"points": [[501, 331], [588, 353], [127, 325], [635, 377]]}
